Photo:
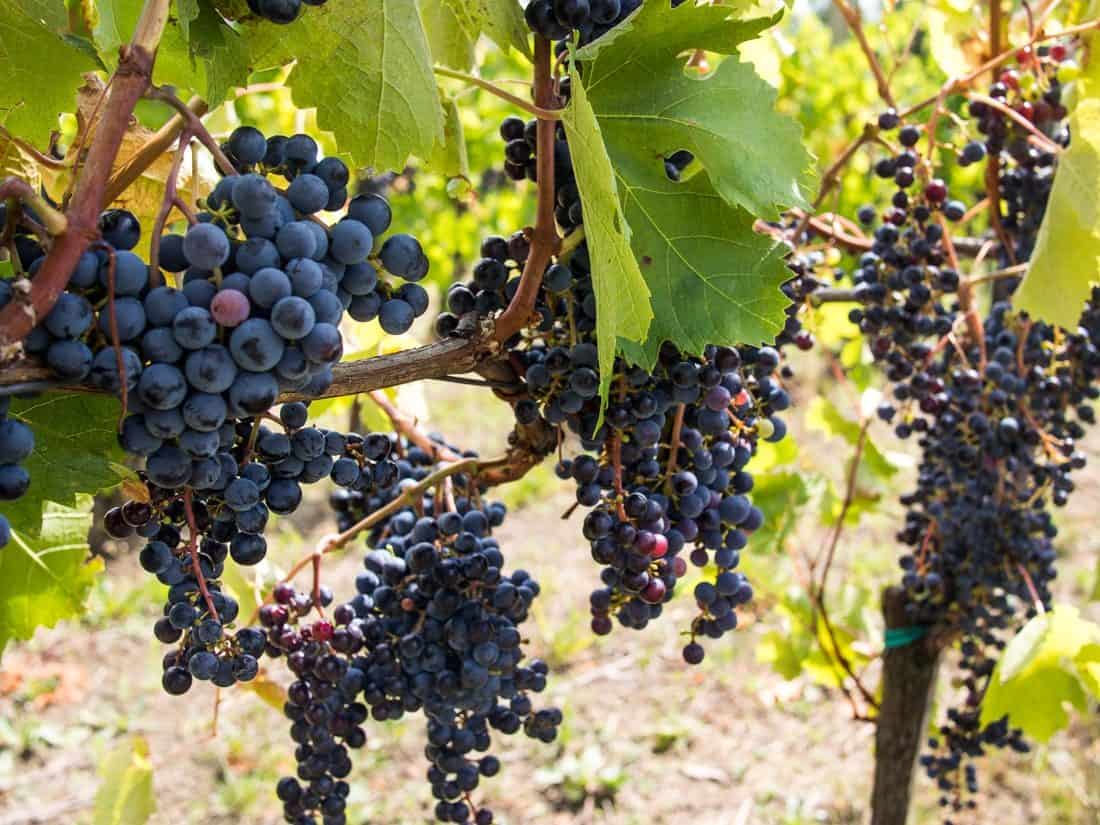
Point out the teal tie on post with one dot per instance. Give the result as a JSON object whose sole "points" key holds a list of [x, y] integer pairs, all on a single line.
{"points": [[902, 636]]}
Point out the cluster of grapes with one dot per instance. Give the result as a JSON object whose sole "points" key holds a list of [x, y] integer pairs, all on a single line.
{"points": [[439, 625], [668, 473], [999, 405], [281, 11], [495, 280], [263, 289], [665, 470], [16, 445], [322, 703], [258, 471], [668, 464]]}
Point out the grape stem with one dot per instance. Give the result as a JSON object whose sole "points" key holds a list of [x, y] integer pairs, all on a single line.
{"points": [[129, 83], [404, 424], [39, 158], [461, 354], [1037, 603], [194, 125], [193, 552], [535, 110], [818, 592], [674, 441], [544, 236], [1025, 124], [156, 278], [411, 494], [316, 591], [995, 26], [961, 82], [617, 466]]}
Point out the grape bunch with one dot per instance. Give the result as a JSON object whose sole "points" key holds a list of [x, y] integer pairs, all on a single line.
{"points": [[281, 11], [16, 445], [436, 626], [260, 471], [998, 404], [262, 289], [322, 703], [664, 474]]}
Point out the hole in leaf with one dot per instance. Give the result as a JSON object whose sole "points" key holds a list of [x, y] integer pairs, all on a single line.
{"points": [[676, 163]]}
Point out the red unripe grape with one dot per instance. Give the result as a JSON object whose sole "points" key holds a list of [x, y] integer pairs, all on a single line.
{"points": [[322, 630], [936, 191], [230, 308], [660, 546], [654, 591]]}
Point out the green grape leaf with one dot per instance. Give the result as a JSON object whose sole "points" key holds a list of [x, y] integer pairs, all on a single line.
{"points": [[187, 11], [623, 309], [41, 69], [125, 795], [50, 13], [450, 44], [499, 20], [822, 415], [367, 69], [75, 451], [1047, 666], [111, 26], [45, 578], [649, 106], [781, 496], [1066, 260], [217, 52], [449, 158], [712, 278]]}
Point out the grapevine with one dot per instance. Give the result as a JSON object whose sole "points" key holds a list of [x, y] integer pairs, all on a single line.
{"points": [[643, 330]]}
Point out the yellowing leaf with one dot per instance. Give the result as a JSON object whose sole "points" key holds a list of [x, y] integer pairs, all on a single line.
{"points": [[270, 692], [943, 43], [1040, 673]]}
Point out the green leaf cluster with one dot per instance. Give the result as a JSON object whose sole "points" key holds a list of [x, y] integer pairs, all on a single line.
{"points": [[711, 277], [1052, 664]]}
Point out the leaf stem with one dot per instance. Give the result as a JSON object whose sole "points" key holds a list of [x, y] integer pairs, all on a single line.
{"points": [[532, 109]]}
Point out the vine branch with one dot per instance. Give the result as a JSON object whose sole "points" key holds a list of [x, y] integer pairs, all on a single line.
{"points": [[130, 81], [544, 236]]}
